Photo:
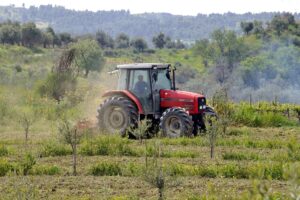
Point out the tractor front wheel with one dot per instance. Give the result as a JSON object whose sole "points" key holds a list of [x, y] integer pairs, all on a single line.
{"points": [[117, 114], [176, 122]]}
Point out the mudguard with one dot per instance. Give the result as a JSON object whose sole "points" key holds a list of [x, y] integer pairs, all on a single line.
{"points": [[127, 94]]}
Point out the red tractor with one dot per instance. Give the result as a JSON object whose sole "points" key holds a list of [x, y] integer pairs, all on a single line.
{"points": [[148, 91]]}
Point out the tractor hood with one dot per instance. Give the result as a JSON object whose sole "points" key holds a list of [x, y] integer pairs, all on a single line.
{"points": [[188, 100], [178, 94]]}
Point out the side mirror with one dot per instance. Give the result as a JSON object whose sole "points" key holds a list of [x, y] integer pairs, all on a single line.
{"points": [[168, 75], [154, 76]]}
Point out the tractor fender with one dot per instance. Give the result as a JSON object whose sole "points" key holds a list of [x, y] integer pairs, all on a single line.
{"points": [[128, 94]]}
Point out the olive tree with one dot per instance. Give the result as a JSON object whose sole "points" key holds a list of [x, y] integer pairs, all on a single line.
{"points": [[70, 135], [26, 119], [88, 56]]}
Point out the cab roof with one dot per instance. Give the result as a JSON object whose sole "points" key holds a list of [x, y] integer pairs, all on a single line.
{"points": [[143, 66]]}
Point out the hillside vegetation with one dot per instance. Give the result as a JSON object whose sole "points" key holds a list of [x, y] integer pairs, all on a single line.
{"points": [[188, 28]]}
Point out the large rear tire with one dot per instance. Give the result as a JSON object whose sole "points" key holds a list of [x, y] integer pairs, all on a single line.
{"points": [[176, 122], [117, 114]]}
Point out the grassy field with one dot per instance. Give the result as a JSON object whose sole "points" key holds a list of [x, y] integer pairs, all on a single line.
{"points": [[109, 167], [257, 158]]}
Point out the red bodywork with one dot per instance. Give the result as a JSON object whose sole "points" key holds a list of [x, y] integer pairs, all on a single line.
{"points": [[168, 99], [183, 99]]}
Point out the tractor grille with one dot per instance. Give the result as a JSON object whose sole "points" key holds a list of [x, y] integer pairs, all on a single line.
{"points": [[201, 103]]}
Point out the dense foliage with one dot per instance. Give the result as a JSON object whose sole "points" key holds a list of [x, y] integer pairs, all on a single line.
{"points": [[135, 25]]}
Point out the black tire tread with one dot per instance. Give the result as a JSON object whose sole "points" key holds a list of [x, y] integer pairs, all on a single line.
{"points": [[183, 115]]}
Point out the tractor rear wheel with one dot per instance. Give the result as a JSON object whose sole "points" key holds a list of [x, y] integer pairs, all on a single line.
{"points": [[176, 122], [117, 114]]}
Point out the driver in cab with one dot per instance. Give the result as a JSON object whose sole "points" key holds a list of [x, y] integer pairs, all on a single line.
{"points": [[141, 87]]}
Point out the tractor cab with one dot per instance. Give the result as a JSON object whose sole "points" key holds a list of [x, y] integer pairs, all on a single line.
{"points": [[145, 81]]}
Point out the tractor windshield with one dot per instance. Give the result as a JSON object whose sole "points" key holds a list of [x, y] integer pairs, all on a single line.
{"points": [[163, 80]]}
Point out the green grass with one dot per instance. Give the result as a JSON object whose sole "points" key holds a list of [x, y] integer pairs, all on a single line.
{"points": [[3, 150]]}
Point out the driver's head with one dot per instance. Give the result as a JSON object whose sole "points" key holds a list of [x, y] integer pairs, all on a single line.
{"points": [[140, 77]]}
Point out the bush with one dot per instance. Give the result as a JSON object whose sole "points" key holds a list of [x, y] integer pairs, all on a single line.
{"points": [[234, 156], [176, 170], [27, 163], [3, 150], [53, 148], [45, 170], [239, 156], [106, 169], [238, 132], [258, 117], [5, 167], [107, 146], [207, 172], [274, 171], [3, 107]]}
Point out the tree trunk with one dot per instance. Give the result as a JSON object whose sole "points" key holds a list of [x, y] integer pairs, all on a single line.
{"points": [[74, 148], [212, 149], [86, 73], [26, 134], [161, 196]]}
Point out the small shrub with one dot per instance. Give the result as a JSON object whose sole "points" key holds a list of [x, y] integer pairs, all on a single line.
{"points": [[234, 156], [18, 68], [53, 148], [274, 171], [132, 169], [5, 167], [3, 150], [293, 150], [102, 148], [124, 150], [107, 146], [45, 170], [106, 169], [150, 51], [238, 132], [207, 172], [180, 154], [27, 163], [176, 170], [87, 148], [229, 171]]}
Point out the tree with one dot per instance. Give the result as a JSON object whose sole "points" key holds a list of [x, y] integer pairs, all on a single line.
{"points": [[122, 41], [65, 38], [159, 41], [26, 119], [258, 28], [139, 44], [247, 27], [51, 36], [227, 50], [281, 22], [10, 33], [204, 49], [104, 40], [88, 56], [31, 35], [48, 39], [70, 135], [177, 44], [154, 173], [63, 77]]}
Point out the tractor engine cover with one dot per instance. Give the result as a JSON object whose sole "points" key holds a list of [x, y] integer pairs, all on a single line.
{"points": [[193, 103]]}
